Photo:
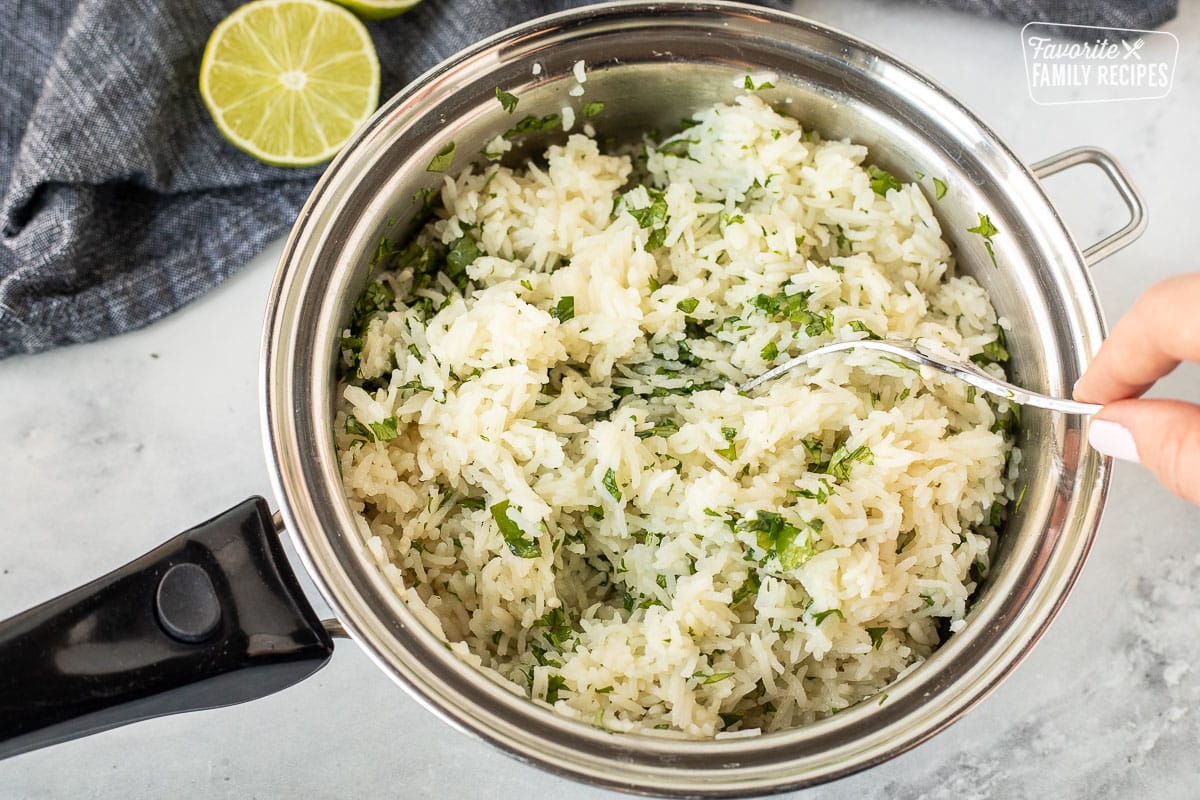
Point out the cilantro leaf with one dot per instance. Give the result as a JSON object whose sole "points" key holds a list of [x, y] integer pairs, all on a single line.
{"points": [[531, 124], [995, 351], [514, 537], [507, 101], [843, 459], [876, 635], [565, 309], [386, 430], [776, 535], [554, 684], [861, 327], [609, 482], [820, 616], [462, 254], [442, 161], [593, 108], [652, 215], [882, 182], [987, 230], [749, 84], [939, 188], [663, 429], [688, 305]]}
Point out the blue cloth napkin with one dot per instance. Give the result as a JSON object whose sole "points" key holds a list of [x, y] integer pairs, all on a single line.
{"points": [[120, 202]]}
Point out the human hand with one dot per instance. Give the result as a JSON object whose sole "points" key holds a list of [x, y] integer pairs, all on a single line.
{"points": [[1159, 332]]}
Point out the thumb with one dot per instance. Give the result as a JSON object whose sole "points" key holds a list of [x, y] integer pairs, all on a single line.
{"points": [[1162, 435]]}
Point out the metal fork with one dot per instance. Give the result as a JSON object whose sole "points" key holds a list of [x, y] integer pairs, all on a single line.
{"points": [[963, 370]]}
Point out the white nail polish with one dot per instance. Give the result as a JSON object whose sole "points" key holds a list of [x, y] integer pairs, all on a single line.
{"points": [[1113, 439]]}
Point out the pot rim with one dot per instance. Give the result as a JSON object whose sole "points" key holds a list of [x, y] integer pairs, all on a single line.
{"points": [[641, 764]]}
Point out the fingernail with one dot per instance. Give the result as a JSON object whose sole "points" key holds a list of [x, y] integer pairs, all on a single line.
{"points": [[1113, 439]]}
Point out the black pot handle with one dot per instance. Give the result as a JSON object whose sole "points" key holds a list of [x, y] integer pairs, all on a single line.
{"points": [[213, 617]]}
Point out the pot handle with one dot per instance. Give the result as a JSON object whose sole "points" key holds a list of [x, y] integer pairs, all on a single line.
{"points": [[1120, 179], [215, 616]]}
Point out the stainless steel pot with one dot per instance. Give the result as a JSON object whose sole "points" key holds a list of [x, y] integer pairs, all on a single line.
{"points": [[652, 64]]}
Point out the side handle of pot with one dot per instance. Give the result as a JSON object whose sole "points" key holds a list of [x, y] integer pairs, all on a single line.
{"points": [[1116, 174], [215, 616]]}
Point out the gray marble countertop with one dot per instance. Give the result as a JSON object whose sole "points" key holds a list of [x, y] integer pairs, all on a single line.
{"points": [[110, 448]]}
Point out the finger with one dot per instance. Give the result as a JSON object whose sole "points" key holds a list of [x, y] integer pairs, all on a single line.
{"points": [[1163, 435], [1160, 330]]}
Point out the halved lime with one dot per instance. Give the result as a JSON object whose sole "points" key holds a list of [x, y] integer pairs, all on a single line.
{"points": [[378, 9], [289, 81]]}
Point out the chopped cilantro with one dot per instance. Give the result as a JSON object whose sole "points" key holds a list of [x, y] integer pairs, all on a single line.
{"points": [[729, 719], [609, 482], [442, 161], [843, 459], [688, 305], [677, 147], [749, 588], [565, 309], [356, 428], [780, 537], [729, 453], [1020, 499], [596, 512], [713, 678], [652, 215], [558, 630], [656, 239], [386, 430], [474, 503], [531, 124], [820, 616], [939, 188], [376, 297], [1008, 420], [861, 327], [882, 182], [987, 230], [663, 429], [507, 101], [553, 684], [514, 537], [842, 241], [593, 108], [794, 308], [526, 285], [995, 351], [821, 495], [749, 84], [462, 254], [876, 635], [970, 394], [770, 352], [383, 431]]}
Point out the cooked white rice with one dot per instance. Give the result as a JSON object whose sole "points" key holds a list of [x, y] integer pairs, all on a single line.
{"points": [[680, 559]]}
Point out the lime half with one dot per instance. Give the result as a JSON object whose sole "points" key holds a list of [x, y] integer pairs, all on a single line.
{"points": [[289, 81], [378, 9]]}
